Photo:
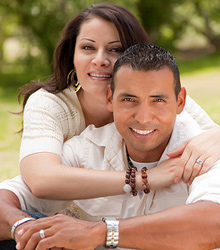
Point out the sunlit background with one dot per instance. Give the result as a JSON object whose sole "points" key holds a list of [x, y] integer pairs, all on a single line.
{"points": [[29, 30]]}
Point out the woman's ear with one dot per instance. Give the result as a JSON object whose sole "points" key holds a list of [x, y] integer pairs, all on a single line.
{"points": [[109, 98], [181, 100]]}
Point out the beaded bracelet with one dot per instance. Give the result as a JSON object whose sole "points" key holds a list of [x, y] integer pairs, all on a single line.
{"points": [[144, 180], [133, 181], [130, 180]]}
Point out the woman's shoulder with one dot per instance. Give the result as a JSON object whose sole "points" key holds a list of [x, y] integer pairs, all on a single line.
{"points": [[42, 97], [62, 109], [64, 102]]}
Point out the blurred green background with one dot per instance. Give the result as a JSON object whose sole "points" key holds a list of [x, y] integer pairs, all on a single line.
{"points": [[30, 29]]}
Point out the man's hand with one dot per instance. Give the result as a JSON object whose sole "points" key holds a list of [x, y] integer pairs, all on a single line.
{"points": [[62, 231]]}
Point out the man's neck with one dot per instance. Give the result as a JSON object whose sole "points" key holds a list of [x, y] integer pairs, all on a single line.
{"points": [[148, 156]]}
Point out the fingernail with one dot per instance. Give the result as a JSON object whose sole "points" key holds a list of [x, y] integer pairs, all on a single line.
{"points": [[20, 232], [18, 246]]}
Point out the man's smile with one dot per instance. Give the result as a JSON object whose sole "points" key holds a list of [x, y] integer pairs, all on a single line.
{"points": [[142, 132]]}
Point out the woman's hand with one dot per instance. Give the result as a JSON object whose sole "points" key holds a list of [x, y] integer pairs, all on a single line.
{"points": [[198, 154], [62, 232], [165, 174]]}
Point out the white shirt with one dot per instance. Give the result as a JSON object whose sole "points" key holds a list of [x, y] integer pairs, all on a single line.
{"points": [[51, 119], [103, 149]]}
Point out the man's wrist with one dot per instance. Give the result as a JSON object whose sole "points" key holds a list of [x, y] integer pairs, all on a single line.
{"points": [[18, 223], [112, 235]]}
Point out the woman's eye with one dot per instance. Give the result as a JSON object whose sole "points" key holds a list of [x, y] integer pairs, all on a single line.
{"points": [[117, 49], [86, 47]]}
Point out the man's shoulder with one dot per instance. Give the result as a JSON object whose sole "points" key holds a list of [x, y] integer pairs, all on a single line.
{"points": [[184, 129], [187, 126], [100, 136]]}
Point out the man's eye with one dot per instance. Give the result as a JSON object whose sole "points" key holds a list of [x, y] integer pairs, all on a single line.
{"points": [[158, 100], [128, 99]]}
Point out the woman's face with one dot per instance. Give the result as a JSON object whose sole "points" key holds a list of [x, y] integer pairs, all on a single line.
{"points": [[97, 48]]}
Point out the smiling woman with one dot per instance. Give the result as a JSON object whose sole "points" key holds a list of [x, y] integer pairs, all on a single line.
{"points": [[55, 112], [94, 58]]}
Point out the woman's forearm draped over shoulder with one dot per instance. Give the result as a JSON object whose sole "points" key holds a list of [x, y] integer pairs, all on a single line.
{"points": [[53, 176]]}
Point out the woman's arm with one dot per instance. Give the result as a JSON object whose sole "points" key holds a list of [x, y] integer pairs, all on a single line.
{"points": [[69, 183], [56, 181]]}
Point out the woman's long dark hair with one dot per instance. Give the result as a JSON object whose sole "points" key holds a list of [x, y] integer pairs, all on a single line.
{"points": [[130, 32]]}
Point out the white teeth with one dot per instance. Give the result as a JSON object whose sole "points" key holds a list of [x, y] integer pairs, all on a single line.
{"points": [[142, 132], [101, 76]]}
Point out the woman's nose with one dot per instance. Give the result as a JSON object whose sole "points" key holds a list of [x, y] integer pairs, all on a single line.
{"points": [[101, 59]]}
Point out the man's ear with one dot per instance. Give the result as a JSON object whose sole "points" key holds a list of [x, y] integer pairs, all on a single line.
{"points": [[109, 98], [181, 100]]}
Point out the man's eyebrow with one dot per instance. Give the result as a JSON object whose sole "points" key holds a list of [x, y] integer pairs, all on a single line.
{"points": [[159, 96], [126, 95]]}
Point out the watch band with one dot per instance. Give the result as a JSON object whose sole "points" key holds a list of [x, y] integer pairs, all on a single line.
{"points": [[112, 232]]}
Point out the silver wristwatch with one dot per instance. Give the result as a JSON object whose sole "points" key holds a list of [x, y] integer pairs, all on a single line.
{"points": [[112, 232]]}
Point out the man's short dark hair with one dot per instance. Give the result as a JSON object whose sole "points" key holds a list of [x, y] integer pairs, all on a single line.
{"points": [[146, 57]]}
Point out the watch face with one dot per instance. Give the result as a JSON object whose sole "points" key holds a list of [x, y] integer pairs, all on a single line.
{"points": [[109, 219]]}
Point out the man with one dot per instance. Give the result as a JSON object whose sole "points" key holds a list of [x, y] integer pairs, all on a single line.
{"points": [[145, 102]]}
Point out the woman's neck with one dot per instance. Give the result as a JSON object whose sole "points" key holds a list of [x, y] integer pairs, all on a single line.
{"points": [[94, 109]]}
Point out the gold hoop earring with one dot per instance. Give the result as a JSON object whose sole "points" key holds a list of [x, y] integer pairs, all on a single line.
{"points": [[72, 80]]}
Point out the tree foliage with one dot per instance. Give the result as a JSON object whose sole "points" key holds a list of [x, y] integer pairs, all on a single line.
{"points": [[39, 22], [167, 21]]}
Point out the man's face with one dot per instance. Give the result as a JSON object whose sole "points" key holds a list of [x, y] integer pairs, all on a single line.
{"points": [[144, 106]]}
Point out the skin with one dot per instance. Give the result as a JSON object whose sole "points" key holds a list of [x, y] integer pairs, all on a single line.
{"points": [[195, 149], [172, 229], [145, 120], [97, 49]]}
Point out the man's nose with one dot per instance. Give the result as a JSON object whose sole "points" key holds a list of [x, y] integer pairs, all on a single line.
{"points": [[143, 114]]}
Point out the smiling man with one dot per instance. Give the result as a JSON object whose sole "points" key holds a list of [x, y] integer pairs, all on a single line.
{"points": [[147, 102], [145, 110]]}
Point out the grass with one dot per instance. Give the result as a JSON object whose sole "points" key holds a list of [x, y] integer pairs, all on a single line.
{"points": [[10, 123], [200, 64], [200, 76], [9, 140]]}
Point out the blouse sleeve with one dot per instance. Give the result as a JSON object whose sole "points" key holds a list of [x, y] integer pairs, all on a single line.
{"points": [[198, 114], [29, 202], [48, 121]]}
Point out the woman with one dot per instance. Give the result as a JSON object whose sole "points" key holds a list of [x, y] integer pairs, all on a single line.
{"points": [[90, 45]]}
